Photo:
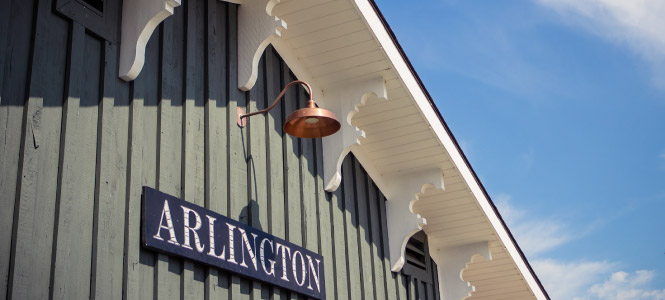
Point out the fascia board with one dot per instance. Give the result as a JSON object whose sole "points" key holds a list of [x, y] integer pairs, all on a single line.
{"points": [[405, 71]]}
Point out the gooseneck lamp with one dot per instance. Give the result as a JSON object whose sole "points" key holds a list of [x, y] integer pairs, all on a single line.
{"points": [[308, 122]]}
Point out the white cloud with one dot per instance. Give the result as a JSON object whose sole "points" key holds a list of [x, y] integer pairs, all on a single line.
{"points": [[569, 280], [578, 281], [625, 286], [509, 214], [581, 280], [534, 235], [479, 50], [537, 237], [636, 24]]}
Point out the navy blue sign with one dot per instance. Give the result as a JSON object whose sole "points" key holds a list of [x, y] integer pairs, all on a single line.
{"points": [[181, 228]]}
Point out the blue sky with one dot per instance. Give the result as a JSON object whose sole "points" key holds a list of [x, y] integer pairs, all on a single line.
{"points": [[560, 107]]}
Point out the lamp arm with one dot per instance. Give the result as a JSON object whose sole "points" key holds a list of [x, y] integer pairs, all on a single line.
{"points": [[279, 97]]}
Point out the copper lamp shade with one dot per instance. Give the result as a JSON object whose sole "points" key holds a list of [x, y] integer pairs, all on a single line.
{"points": [[311, 122], [308, 122]]}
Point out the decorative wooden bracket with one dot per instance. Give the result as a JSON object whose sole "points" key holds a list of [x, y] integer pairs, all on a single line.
{"points": [[453, 263], [139, 20], [402, 192], [256, 29], [345, 103]]}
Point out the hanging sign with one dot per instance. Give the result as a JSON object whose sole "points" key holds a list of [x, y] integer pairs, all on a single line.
{"points": [[180, 228]]}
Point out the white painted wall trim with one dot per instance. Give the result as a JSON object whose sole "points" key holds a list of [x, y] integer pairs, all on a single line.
{"points": [[139, 20], [403, 71], [402, 192], [452, 262], [345, 102], [256, 29]]}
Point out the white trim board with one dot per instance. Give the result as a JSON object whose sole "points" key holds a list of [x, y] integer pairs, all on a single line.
{"points": [[409, 80]]}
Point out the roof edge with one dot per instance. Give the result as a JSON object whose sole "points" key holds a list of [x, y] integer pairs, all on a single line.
{"points": [[449, 132]]}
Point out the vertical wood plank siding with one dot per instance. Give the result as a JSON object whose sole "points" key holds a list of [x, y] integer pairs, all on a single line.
{"points": [[77, 144]]}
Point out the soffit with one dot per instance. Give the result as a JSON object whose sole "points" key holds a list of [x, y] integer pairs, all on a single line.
{"points": [[335, 46]]}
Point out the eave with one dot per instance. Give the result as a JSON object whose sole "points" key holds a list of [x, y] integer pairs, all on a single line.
{"points": [[342, 42]]}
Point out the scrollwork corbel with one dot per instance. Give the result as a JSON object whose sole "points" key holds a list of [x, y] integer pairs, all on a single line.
{"points": [[345, 102], [256, 29], [454, 264], [402, 192], [139, 20]]}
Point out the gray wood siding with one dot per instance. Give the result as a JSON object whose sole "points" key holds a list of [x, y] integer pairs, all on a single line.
{"points": [[77, 144]]}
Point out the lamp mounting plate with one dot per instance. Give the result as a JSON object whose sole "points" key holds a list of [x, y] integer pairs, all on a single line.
{"points": [[241, 121]]}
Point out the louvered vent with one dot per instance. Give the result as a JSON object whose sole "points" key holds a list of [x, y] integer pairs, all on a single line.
{"points": [[419, 264], [100, 17], [96, 4], [415, 254]]}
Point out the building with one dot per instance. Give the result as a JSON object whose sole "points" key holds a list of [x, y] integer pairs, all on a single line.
{"points": [[101, 98]]}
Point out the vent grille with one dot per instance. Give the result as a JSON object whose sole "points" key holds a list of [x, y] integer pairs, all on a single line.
{"points": [[415, 254], [96, 4], [418, 264], [100, 17]]}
